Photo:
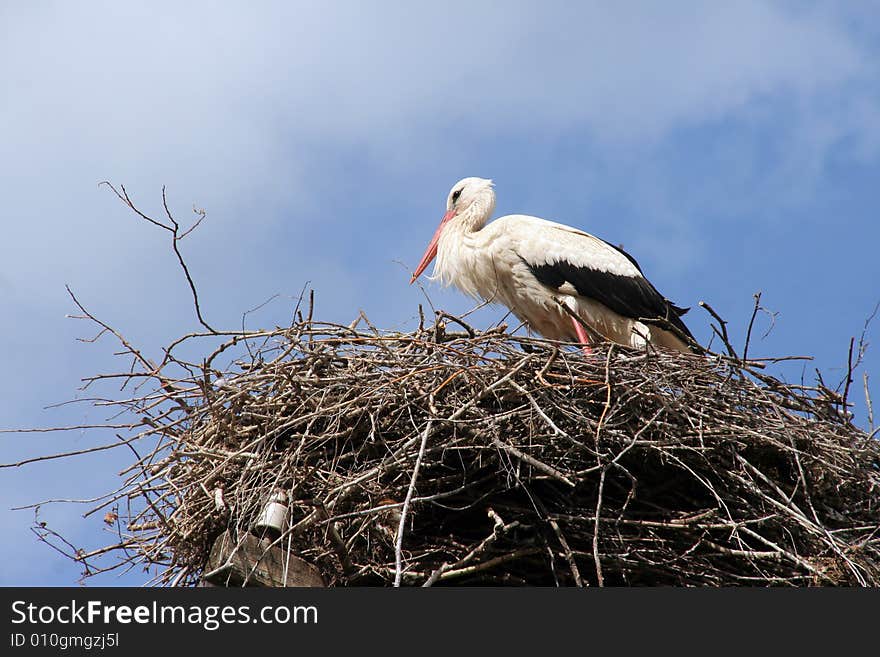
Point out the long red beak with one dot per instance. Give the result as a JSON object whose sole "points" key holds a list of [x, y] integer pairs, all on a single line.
{"points": [[431, 251]]}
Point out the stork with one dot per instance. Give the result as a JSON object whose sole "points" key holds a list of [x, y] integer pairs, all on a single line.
{"points": [[553, 277]]}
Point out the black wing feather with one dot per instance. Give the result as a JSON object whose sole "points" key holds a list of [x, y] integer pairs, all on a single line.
{"points": [[629, 296]]}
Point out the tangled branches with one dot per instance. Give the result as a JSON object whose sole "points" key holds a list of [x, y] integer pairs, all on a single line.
{"points": [[436, 457]]}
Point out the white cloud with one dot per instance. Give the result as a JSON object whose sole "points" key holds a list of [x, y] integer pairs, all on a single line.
{"points": [[169, 86]]}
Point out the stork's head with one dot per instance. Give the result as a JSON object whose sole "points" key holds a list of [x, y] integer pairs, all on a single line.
{"points": [[470, 204]]}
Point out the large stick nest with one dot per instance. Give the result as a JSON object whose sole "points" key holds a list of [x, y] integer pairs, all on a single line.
{"points": [[485, 458]]}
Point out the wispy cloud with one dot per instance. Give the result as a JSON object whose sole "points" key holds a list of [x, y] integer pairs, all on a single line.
{"points": [[237, 105]]}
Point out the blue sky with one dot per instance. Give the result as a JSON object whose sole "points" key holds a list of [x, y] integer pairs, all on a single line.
{"points": [[730, 148]]}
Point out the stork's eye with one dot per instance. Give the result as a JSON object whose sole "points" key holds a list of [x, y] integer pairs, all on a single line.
{"points": [[455, 195]]}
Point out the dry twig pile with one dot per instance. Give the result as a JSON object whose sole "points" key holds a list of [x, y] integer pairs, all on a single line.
{"points": [[485, 458]]}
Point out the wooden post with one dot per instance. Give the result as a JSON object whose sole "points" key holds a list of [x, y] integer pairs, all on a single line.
{"points": [[250, 561]]}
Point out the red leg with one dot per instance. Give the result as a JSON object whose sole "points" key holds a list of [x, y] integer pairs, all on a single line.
{"points": [[582, 336]]}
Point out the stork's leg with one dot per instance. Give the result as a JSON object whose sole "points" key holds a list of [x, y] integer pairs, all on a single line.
{"points": [[582, 336]]}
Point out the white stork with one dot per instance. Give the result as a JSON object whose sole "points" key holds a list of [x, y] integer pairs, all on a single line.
{"points": [[533, 266]]}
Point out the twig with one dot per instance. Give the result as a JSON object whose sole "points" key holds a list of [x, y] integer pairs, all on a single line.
{"points": [[849, 374], [751, 323], [176, 236], [597, 559], [398, 542], [723, 329]]}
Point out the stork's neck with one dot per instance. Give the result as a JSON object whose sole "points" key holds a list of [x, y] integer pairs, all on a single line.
{"points": [[456, 254], [459, 250], [458, 246]]}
